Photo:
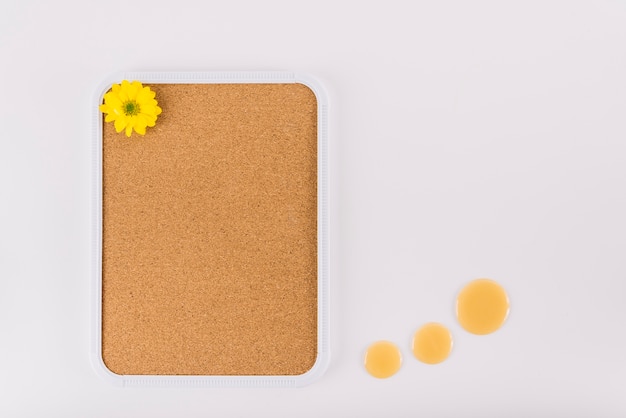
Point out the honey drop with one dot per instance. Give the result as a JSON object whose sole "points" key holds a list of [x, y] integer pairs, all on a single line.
{"points": [[432, 343], [482, 306], [383, 359]]}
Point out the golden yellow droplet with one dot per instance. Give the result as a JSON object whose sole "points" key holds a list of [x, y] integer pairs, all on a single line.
{"points": [[482, 306], [432, 343], [383, 359]]}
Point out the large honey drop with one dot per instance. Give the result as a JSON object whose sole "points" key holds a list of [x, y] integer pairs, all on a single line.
{"points": [[432, 343], [482, 306], [383, 359]]}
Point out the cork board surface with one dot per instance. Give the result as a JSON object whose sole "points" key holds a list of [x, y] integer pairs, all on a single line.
{"points": [[209, 253]]}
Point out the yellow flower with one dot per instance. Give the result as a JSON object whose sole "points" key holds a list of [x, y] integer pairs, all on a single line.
{"points": [[130, 105]]}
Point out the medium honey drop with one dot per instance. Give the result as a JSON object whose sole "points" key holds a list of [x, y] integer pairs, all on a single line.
{"points": [[432, 343], [383, 359], [482, 306]]}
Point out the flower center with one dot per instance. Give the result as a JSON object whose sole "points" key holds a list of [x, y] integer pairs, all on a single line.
{"points": [[131, 108]]}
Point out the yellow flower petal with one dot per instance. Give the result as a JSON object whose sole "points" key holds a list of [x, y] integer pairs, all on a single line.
{"points": [[140, 127], [123, 91], [134, 89], [148, 109], [120, 123], [141, 119], [112, 99], [150, 119], [145, 95]]}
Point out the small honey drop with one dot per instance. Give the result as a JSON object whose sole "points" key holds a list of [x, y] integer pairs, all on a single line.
{"points": [[383, 359], [482, 306], [432, 343]]}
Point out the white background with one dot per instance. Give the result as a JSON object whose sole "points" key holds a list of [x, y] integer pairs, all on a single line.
{"points": [[468, 138]]}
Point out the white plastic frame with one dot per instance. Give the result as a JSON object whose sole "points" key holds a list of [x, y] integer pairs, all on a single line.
{"points": [[323, 333]]}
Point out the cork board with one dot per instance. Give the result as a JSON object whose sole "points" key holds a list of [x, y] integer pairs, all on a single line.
{"points": [[209, 234]]}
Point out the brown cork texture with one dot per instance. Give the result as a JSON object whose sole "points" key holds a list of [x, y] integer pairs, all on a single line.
{"points": [[210, 234]]}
